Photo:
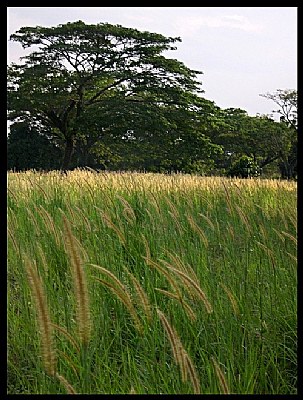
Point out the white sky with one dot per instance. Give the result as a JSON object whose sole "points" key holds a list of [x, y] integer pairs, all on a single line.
{"points": [[242, 51]]}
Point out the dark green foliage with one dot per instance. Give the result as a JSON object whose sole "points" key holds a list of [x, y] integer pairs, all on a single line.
{"points": [[78, 70], [244, 167], [264, 139], [109, 98], [29, 149]]}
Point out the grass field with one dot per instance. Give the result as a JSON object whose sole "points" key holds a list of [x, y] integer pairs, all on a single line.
{"points": [[146, 283]]}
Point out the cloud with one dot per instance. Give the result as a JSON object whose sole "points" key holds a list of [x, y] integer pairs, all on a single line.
{"points": [[232, 21], [189, 25]]}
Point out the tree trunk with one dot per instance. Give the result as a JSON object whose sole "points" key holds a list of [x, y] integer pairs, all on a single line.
{"points": [[68, 152], [286, 170]]}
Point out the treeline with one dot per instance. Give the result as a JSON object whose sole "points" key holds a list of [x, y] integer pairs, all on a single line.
{"points": [[259, 147], [105, 97]]}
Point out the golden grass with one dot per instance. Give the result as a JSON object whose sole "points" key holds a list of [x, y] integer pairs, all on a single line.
{"points": [[67, 335], [192, 316], [128, 211], [121, 292], [42, 258], [127, 181], [196, 228], [291, 237], [80, 285], [180, 276], [146, 246], [70, 363], [108, 221], [167, 275], [35, 183], [49, 223], [43, 317], [181, 357], [221, 377], [193, 288], [84, 218], [13, 239], [208, 220], [68, 387], [142, 296], [33, 220], [232, 299], [243, 218]]}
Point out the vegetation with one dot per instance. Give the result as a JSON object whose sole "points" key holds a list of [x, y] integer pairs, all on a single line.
{"points": [[149, 284], [129, 282], [105, 96], [244, 167], [81, 73]]}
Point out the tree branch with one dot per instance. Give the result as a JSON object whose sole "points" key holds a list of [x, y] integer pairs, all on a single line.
{"points": [[98, 94]]}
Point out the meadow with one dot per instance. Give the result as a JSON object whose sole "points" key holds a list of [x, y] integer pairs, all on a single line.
{"points": [[151, 284]]}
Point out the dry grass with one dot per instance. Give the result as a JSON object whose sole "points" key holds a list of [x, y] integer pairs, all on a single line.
{"points": [[193, 288], [43, 317], [180, 355], [68, 387], [142, 296], [221, 378], [167, 242], [121, 292], [80, 285]]}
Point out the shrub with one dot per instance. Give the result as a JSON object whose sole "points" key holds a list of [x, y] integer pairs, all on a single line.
{"points": [[244, 167]]}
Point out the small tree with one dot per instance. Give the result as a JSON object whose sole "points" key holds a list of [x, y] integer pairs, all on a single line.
{"points": [[287, 100], [244, 167]]}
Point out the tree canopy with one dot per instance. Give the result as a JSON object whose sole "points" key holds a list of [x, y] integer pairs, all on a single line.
{"points": [[105, 96], [80, 67]]}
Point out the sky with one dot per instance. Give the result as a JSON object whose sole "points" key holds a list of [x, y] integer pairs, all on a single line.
{"points": [[242, 51]]}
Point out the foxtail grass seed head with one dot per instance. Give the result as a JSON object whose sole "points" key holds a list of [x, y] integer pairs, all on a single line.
{"points": [[181, 301], [192, 373], [80, 285], [182, 266], [147, 249], [167, 275], [193, 286], [70, 363], [175, 343], [108, 221], [221, 377], [243, 218], [68, 387], [126, 300], [198, 230], [232, 299], [181, 357], [128, 211], [13, 239], [43, 317], [67, 335], [208, 221], [49, 223], [291, 237], [121, 292], [142, 296]]}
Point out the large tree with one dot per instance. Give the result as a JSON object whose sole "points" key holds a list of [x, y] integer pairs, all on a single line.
{"points": [[163, 137], [77, 70]]}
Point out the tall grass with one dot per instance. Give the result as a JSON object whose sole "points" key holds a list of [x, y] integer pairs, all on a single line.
{"points": [[149, 284]]}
